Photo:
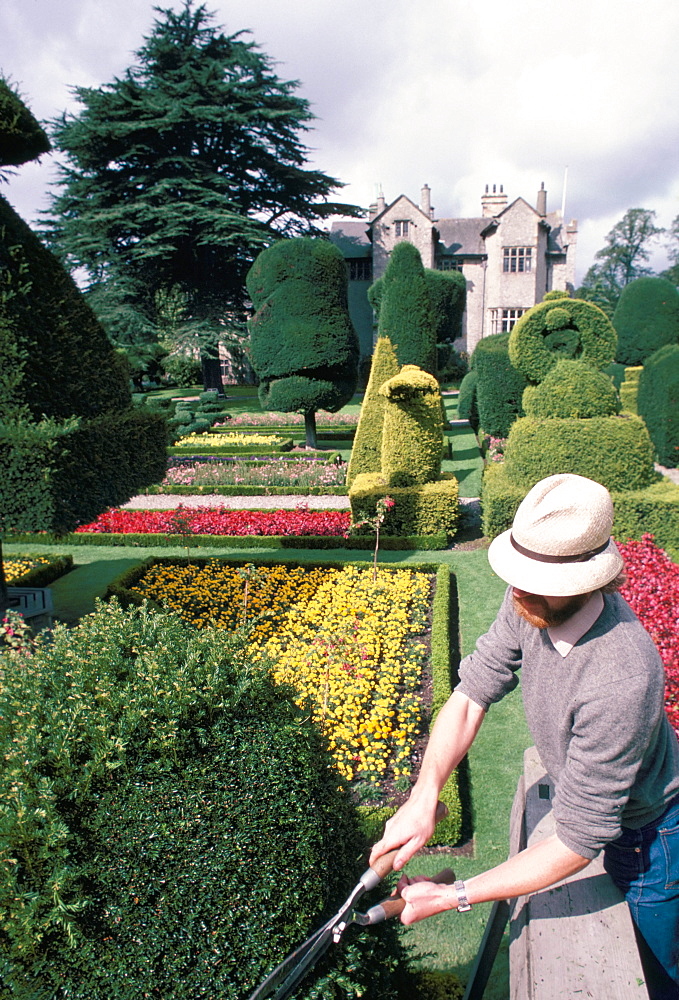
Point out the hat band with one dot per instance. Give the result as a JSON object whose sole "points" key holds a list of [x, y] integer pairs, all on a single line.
{"points": [[541, 557]]}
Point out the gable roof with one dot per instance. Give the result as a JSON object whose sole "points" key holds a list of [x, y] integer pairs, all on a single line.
{"points": [[401, 197]]}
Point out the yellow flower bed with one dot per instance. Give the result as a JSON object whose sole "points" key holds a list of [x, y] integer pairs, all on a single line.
{"points": [[230, 440], [18, 566], [351, 648]]}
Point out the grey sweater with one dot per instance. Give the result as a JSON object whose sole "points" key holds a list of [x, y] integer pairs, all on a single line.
{"points": [[596, 717]]}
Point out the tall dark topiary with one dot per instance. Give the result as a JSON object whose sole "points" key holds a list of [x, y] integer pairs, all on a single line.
{"points": [[499, 385], [303, 345], [645, 319], [406, 313], [658, 402], [71, 444]]}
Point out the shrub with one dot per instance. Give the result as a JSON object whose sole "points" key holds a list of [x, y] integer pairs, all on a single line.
{"points": [[658, 402], [557, 329], [614, 451], [406, 315], [646, 318], [499, 386], [182, 371], [179, 824], [366, 454], [413, 428], [572, 389], [429, 509], [629, 389], [467, 408]]}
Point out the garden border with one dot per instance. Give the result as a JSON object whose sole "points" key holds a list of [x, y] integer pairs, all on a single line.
{"points": [[388, 542]]}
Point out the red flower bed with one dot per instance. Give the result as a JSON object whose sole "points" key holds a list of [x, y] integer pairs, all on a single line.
{"points": [[221, 521], [652, 591]]}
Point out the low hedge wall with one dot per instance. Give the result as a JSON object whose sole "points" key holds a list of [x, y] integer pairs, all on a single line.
{"points": [[428, 543], [653, 510], [42, 576], [444, 644], [247, 491], [425, 509]]}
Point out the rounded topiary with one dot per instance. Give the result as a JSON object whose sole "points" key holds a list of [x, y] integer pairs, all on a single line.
{"points": [[572, 389], [406, 314], [499, 387], [658, 402], [646, 318], [467, 408], [413, 428], [615, 451], [557, 329], [555, 293]]}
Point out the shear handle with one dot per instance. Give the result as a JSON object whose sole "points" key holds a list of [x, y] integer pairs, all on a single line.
{"points": [[393, 906], [385, 863]]}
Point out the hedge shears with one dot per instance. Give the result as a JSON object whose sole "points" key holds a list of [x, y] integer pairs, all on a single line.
{"points": [[280, 983]]}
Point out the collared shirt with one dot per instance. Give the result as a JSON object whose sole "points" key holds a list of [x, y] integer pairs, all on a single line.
{"points": [[565, 636]]}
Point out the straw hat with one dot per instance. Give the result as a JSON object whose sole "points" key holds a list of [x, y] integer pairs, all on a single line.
{"points": [[560, 542]]}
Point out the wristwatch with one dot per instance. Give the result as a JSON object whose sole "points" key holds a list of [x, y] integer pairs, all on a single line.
{"points": [[463, 903]]}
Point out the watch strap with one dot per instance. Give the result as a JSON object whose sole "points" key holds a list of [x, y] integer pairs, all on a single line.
{"points": [[463, 904]]}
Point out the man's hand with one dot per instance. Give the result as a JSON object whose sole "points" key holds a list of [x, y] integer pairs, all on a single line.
{"points": [[410, 829]]}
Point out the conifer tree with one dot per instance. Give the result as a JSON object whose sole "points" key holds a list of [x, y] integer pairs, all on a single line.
{"points": [[178, 173]]}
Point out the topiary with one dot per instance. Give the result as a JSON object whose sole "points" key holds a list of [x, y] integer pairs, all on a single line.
{"points": [[467, 408], [615, 451], [406, 316], [646, 318], [658, 402], [572, 389], [413, 428], [499, 386], [557, 329], [366, 454]]}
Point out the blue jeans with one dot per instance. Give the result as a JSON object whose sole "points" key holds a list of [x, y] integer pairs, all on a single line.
{"points": [[644, 864]]}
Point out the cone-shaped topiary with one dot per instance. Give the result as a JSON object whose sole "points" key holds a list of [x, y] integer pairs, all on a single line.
{"points": [[366, 454], [646, 318], [21, 137], [561, 328], [413, 428], [572, 389]]}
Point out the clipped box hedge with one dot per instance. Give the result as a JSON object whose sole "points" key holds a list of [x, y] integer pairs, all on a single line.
{"points": [[615, 451], [426, 509], [44, 573], [174, 822], [653, 510]]}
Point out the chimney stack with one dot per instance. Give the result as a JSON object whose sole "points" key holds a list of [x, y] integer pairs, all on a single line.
{"points": [[542, 201], [493, 203], [425, 201]]}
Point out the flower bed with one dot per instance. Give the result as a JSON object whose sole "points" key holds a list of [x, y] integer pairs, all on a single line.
{"points": [[234, 440], [652, 590], [350, 647], [220, 521], [17, 567], [258, 471], [34, 570], [323, 419]]}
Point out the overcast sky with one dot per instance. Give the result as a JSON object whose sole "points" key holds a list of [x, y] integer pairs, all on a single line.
{"points": [[453, 93]]}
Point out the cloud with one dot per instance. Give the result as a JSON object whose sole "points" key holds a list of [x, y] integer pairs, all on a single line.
{"points": [[446, 92]]}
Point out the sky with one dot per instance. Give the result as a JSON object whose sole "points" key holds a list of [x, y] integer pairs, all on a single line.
{"points": [[457, 94]]}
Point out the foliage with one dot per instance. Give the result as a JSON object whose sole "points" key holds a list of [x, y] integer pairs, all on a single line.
{"points": [[221, 521], [652, 590], [658, 402], [645, 319], [21, 137], [303, 345], [366, 454], [448, 298], [173, 822], [572, 389], [629, 389], [182, 370], [498, 385], [427, 509], [624, 258], [467, 402], [554, 330], [614, 451], [180, 171], [413, 428], [406, 314]]}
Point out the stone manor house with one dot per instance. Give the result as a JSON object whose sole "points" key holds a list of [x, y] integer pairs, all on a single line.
{"points": [[510, 256]]}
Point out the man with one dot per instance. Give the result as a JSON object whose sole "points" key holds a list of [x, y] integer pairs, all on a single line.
{"points": [[592, 684]]}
